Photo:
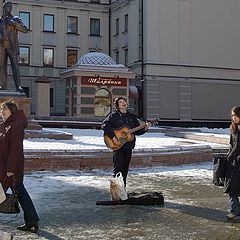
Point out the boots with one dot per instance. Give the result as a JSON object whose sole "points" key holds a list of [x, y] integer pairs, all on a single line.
{"points": [[29, 228]]}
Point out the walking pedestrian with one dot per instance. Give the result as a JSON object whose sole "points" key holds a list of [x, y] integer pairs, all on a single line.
{"points": [[232, 174], [12, 160], [114, 127]]}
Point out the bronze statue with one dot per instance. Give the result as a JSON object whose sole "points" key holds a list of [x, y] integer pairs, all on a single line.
{"points": [[9, 46]]}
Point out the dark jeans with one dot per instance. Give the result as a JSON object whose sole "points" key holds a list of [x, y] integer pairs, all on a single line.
{"points": [[234, 204], [30, 214], [121, 160]]}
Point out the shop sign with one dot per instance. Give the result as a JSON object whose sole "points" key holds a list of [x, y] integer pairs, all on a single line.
{"points": [[104, 81]]}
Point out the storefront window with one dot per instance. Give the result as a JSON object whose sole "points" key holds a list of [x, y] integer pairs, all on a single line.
{"points": [[102, 103]]}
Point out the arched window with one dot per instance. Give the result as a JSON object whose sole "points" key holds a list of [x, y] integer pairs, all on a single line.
{"points": [[102, 103]]}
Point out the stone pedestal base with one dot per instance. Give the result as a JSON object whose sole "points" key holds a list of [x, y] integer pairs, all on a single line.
{"points": [[23, 103], [34, 130]]}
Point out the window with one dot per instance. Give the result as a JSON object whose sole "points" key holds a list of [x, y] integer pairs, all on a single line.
{"points": [[26, 91], [24, 55], [126, 23], [51, 98], [94, 26], [117, 26], [71, 57], [117, 56], [48, 23], [48, 56], [126, 57], [102, 103], [25, 17], [72, 24]]}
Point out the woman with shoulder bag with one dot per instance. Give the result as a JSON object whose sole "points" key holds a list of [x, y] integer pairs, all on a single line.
{"points": [[12, 160], [232, 174]]}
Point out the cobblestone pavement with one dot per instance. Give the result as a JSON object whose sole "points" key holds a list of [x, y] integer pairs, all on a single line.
{"points": [[194, 209]]}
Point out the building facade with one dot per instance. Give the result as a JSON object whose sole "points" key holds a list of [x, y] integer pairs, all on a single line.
{"points": [[185, 54], [93, 83], [59, 33]]}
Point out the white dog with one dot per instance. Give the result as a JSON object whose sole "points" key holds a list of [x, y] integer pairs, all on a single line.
{"points": [[5, 236]]}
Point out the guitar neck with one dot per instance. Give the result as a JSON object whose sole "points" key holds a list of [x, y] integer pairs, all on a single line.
{"points": [[136, 128]]}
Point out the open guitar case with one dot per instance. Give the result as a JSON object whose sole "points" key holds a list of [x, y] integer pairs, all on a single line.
{"points": [[145, 198]]}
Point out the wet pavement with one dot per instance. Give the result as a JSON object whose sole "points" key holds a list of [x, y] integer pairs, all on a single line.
{"points": [[66, 203]]}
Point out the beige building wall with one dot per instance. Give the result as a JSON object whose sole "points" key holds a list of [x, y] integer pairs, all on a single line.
{"points": [[191, 56]]}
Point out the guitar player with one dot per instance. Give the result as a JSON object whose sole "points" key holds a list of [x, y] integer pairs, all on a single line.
{"points": [[119, 118]]}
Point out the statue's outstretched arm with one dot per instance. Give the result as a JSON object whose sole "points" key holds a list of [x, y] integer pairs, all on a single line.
{"points": [[20, 25]]}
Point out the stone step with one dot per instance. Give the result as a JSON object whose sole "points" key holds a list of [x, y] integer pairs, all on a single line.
{"points": [[98, 159], [199, 137]]}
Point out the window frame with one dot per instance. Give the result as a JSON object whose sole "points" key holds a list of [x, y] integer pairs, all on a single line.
{"points": [[27, 13], [126, 23], [76, 27], [28, 56], [117, 26], [26, 91], [126, 57], [45, 64], [92, 30], [71, 50], [48, 15], [51, 97]]}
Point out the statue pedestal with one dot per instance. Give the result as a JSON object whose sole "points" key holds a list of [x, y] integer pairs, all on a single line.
{"points": [[23, 103], [34, 130]]}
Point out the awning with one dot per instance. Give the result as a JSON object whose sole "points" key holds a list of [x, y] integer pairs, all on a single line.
{"points": [[133, 92]]}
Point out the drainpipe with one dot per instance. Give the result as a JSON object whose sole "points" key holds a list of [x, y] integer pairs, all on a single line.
{"points": [[109, 27], [142, 64]]}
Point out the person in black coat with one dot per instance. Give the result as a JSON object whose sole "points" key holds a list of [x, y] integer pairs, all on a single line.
{"points": [[119, 118], [232, 174]]}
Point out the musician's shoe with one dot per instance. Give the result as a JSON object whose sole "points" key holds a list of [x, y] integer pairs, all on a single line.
{"points": [[29, 228]]}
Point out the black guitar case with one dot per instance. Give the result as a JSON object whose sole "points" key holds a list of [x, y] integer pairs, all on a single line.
{"points": [[145, 198]]}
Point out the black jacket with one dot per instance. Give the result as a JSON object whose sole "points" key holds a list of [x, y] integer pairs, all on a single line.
{"points": [[232, 181], [117, 120]]}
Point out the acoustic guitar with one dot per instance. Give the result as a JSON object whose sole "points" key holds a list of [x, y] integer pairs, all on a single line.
{"points": [[124, 135]]}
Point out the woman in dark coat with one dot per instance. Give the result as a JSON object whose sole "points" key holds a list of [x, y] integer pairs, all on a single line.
{"points": [[119, 118], [12, 160], [232, 181]]}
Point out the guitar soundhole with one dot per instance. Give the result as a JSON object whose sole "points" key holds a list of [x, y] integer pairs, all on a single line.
{"points": [[124, 134]]}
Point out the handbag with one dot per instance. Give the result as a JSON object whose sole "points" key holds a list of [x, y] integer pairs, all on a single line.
{"points": [[11, 204], [219, 168], [117, 189]]}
